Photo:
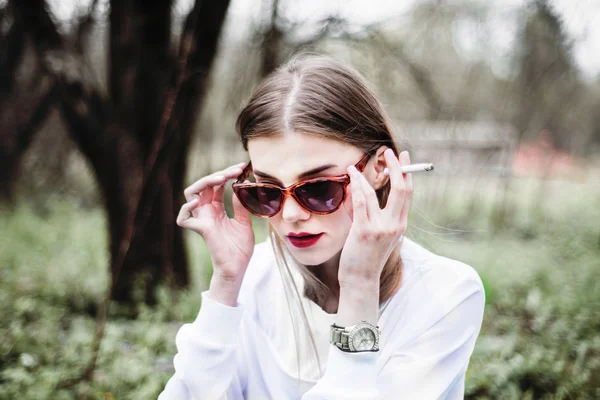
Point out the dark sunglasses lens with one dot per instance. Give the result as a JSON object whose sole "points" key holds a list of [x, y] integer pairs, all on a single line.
{"points": [[321, 196], [261, 200]]}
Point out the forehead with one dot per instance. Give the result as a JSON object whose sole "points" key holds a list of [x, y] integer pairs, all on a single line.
{"points": [[288, 155]]}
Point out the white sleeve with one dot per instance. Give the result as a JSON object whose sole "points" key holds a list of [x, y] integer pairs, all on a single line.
{"points": [[207, 365], [348, 376], [432, 366]]}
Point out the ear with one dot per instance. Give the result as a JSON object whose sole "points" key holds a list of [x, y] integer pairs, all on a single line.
{"points": [[376, 168]]}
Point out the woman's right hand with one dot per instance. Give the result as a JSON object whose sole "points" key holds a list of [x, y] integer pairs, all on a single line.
{"points": [[230, 241]]}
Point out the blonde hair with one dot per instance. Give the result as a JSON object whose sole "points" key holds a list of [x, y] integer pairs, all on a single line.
{"points": [[318, 95]]}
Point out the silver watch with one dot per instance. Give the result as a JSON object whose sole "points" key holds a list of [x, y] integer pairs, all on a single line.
{"points": [[356, 338]]}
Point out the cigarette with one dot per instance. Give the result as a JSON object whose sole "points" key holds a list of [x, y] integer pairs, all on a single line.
{"points": [[412, 168]]}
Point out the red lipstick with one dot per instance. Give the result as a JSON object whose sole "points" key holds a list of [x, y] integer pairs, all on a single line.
{"points": [[304, 239]]}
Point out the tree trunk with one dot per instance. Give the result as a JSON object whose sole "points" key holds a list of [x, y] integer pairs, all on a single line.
{"points": [[14, 109], [136, 139]]}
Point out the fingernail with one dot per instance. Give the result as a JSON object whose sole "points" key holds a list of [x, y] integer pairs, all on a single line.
{"points": [[219, 177]]}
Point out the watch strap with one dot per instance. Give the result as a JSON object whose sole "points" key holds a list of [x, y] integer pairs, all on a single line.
{"points": [[339, 337]]}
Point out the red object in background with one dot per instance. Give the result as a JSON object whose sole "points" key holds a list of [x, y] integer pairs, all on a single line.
{"points": [[539, 158]]}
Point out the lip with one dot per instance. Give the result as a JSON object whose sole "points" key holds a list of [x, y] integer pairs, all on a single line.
{"points": [[304, 239]]}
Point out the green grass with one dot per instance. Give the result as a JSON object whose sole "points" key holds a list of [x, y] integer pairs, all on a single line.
{"points": [[541, 330], [540, 337]]}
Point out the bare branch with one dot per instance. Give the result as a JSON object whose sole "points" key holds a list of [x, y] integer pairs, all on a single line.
{"points": [[27, 130], [271, 40], [85, 26], [334, 27], [11, 49]]}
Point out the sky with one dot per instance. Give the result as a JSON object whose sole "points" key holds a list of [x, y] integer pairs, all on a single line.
{"points": [[581, 19]]}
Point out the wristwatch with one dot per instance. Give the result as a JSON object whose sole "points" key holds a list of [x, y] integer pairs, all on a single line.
{"points": [[356, 338]]}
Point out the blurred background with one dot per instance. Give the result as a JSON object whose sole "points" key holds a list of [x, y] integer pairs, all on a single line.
{"points": [[110, 108]]}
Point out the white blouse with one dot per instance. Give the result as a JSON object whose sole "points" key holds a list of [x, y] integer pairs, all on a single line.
{"points": [[428, 332]]}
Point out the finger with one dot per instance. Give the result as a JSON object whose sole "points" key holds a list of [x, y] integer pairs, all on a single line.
{"points": [[405, 157], [348, 202], [359, 201], [370, 196], [186, 210], [206, 196], [195, 211], [240, 214], [219, 190], [212, 180], [217, 198], [398, 186], [199, 186]]}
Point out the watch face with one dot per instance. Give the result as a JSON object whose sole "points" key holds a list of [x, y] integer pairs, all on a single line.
{"points": [[364, 339]]}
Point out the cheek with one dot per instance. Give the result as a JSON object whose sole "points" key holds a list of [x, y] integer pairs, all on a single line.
{"points": [[339, 223], [275, 223]]}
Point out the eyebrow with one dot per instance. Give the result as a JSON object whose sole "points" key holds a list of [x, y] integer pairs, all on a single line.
{"points": [[302, 175]]}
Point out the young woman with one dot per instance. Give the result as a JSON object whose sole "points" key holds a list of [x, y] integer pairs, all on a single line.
{"points": [[337, 303]]}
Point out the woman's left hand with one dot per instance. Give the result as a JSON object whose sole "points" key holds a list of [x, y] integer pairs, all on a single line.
{"points": [[375, 231]]}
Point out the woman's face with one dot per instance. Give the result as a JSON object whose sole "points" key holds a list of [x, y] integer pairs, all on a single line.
{"points": [[285, 158]]}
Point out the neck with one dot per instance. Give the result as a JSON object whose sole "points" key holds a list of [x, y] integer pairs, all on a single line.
{"points": [[328, 273]]}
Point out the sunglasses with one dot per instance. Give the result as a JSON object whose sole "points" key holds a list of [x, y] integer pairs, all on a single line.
{"points": [[322, 195]]}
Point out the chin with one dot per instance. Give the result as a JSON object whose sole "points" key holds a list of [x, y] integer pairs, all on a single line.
{"points": [[308, 259], [312, 256]]}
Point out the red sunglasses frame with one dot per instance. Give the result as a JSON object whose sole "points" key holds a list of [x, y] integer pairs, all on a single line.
{"points": [[291, 190]]}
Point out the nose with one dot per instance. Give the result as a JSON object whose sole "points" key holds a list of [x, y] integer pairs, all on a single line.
{"points": [[291, 211]]}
